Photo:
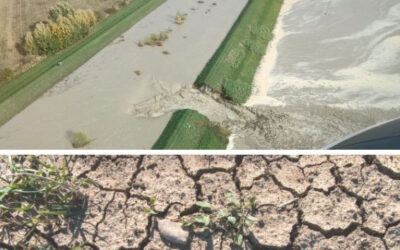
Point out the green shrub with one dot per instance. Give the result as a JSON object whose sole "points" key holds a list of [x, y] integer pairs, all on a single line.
{"points": [[79, 139], [236, 90]]}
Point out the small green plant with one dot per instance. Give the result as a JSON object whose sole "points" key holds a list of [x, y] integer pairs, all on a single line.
{"points": [[236, 90], [79, 139], [151, 210], [37, 194], [234, 220]]}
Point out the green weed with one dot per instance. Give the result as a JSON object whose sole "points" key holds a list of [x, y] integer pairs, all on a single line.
{"points": [[234, 220]]}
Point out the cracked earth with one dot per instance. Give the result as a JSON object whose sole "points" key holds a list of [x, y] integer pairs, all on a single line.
{"points": [[302, 202]]}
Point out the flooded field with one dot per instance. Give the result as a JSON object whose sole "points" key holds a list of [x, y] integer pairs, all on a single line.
{"points": [[98, 97]]}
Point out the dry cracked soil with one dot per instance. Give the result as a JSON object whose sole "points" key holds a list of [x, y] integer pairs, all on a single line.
{"points": [[302, 202]]}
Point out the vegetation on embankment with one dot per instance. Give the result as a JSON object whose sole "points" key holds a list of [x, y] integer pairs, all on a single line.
{"points": [[188, 129], [230, 71], [232, 68], [30, 85]]}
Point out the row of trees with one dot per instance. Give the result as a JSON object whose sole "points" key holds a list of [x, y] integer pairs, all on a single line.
{"points": [[65, 27]]}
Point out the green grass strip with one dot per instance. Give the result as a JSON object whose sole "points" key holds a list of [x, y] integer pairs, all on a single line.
{"points": [[239, 56], [188, 129], [30, 85]]}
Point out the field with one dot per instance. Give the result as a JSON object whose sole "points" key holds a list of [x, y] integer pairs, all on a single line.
{"points": [[188, 129], [238, 57], [27, 87]]}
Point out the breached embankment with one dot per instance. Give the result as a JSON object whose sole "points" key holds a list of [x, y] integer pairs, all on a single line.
{"points": [[262, 127]]}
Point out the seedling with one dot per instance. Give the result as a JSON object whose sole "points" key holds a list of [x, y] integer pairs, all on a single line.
{"points": [[234, 220], [151, 210]]}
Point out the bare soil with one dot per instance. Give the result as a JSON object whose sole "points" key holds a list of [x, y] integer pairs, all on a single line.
{"points": [[303, 202]]}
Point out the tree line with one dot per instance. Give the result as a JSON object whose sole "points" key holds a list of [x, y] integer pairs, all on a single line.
{"points": [[64, 27]]}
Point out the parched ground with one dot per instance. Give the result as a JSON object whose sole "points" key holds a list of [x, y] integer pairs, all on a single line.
{"points": [[303, 202]]}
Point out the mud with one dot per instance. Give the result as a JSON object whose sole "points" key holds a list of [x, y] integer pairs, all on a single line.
{"points": [[358, 207]]}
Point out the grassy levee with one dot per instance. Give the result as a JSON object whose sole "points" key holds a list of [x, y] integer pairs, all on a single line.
{"points": [[234, 65], [239, 56], [30, 85], [188, 129]]}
